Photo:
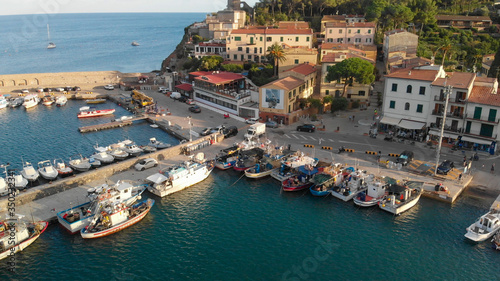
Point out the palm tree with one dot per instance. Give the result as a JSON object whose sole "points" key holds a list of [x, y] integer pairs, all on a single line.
{"points": [[277, 54]]}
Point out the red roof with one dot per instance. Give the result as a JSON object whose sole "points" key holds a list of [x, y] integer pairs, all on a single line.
{"points": [[287, 83], [265, 30], [484, 95], [352, 24], [186, 87], [304, 69], [219, 77], [461, 80], [414, 74]]}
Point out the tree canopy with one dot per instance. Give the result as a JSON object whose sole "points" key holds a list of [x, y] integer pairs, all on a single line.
{"points": [[277, 55], [351, 70]]}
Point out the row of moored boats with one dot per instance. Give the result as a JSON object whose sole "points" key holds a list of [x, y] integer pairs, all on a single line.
{"points": [[32, 100]]}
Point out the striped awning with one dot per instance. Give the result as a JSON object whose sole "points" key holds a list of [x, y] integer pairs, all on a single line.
{"points": [[411, 125], [390, 120]]}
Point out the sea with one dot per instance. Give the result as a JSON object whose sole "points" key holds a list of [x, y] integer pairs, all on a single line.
{"points": [[227, 227]]}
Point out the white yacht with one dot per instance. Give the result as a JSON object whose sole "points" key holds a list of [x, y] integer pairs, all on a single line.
{"points": [[178, 177], [400, 198], [31, 101], [46, 170], [484, 227]]}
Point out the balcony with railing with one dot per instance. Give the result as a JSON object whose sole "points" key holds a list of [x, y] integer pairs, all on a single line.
{"points": [[492, 137], [471, 117], [447, 128]]}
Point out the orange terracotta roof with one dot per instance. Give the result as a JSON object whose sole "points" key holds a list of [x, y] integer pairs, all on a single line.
{"points": [[395, 31], [333, 18], [484, 95], [212, 44], [331, 57], [219, 78], [264, 30], [287, 83], [414, 74], [337, 57], [485, 79], [461, 80], [185, 86], [304, 69], [293, 24]]}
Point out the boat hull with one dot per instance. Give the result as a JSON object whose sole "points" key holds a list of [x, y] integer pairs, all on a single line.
{"points": [[178, 185], [368, 203], [401, 209], [251, 175], [23, 245], [96, 113], [118, 227], [224, 165], [318, 193]]}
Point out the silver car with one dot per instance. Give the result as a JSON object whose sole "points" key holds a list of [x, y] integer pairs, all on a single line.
{"points": [[146, 164]]}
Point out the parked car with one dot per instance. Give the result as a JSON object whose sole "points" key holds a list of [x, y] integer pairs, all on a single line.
{"points": [[68, 88], [175, 95], [306, 128], [252, 120], [183, 99], [76, 88], [271, 124], [206, 131], [445, 167], [39, 90], [146, 164], [405, 157], [47, 90], [230, 132], [60, 89], [195, 109], [25, 91], [190, 101], [109, 87], [162, 89]]}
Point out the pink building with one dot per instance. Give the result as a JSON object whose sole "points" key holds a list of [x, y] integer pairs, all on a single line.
{"points": [[350, 33]]}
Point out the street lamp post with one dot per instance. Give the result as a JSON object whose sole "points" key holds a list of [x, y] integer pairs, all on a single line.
{"points": [[447, 93], [190, 125]]}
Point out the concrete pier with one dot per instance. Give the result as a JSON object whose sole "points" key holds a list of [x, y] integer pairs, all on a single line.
{"points": [[110, 125]]}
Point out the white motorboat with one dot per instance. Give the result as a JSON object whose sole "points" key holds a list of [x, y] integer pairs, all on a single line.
{"points": [[78, 163], [158, 144], [3, 102], [496, 241], [46, 170], [20, 182], [113, 219], [123, 118], [61, 100], [374, 193], [29, 172], [48, 100], [117, 150], [400, 198], [31, 101], [103, 155], [13, 230], [94, 162], [4, 186], [16, 102], [51, 45], [352, 184], [180, 176], [484, 227], [122, 193], [134, 43], [133, 149]]}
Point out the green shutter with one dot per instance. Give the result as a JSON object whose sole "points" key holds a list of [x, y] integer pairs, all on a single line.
{"points": [[477, 112], [467, 127], [493, 115]]}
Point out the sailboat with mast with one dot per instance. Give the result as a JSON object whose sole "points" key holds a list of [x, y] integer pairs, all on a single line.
{"points": [[51, 45]]}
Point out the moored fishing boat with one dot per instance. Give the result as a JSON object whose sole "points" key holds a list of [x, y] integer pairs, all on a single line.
{"points": [[301, 181], [400, 198], [16, 102], [374, 193], [133, 150], [123, 192], [247, 159], [62, 169], [3, 102], [180, 176], [86, 112], [290, 164], [226, 158], [112, 220], [263, 168], [352, 183], [496, 241], [484, 227], [46, 170], [61, 100], [16, 235], [148, 148], [48, 100], [325, 180]]}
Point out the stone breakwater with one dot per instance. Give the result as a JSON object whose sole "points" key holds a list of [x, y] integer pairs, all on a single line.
{"points": [[85, 80]]}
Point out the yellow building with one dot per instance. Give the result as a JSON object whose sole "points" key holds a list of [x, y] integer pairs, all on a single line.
{"points": [[251, 43]]}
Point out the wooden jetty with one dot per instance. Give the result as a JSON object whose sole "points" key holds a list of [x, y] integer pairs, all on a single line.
{"points": [[110, 125]]}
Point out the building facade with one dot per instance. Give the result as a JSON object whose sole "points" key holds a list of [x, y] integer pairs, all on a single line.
{"points": [[212, 48], [250, 44], [362, 33], [399, 45]]}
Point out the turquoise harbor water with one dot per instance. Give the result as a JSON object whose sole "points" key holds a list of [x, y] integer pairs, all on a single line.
{"points": [[224, 228]]}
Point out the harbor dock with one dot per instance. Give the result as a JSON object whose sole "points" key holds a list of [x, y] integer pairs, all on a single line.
{"points": [[111, 125]]}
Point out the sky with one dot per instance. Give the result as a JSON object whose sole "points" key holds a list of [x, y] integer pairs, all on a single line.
{"points": [[16, 7]]}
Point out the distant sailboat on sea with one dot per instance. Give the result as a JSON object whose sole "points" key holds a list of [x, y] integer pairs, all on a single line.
{"points": [[51, 45], [134, 43]]}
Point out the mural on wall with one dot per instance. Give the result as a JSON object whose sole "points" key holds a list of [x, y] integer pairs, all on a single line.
{"points": [[273, 98]]}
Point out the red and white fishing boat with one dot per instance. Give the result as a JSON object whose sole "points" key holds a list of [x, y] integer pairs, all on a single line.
{"points": [[116, 218], [12, 229], [86, 112], [302, 180]]}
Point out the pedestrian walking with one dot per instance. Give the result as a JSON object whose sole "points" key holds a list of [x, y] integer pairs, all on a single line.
{"points": [[350, 118], [353, 117], [493, 168], [460, 177]]}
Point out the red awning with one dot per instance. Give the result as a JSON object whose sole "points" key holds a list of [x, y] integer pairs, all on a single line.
{"points": [[186, 87]]}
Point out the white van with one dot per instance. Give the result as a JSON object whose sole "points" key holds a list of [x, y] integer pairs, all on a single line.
{"points": [[175, 95]]}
